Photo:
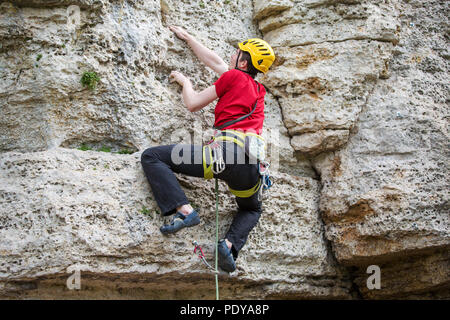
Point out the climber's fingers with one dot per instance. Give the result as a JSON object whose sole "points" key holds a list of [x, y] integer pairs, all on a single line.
{"points": [[178, 77], [179, 32]]}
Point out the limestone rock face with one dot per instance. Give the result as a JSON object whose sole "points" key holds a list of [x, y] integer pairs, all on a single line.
{"points": [[323, 73], [65, 209], [363, 91], [357, 135], [317, 142], [385, 196], [92, 211], [131, 48]]}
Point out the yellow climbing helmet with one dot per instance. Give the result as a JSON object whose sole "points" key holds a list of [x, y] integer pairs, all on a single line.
{"points": [[260, 51]]}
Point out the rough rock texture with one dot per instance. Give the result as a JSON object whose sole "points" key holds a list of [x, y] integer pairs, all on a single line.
{"points": [[363, 87], [386, 194], [85, 209], [323, 74], [357, 131]]}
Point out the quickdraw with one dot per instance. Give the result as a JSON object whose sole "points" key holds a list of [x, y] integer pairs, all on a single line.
{"points": [[266, 183], [202, 256], [218, 164], [216, 157]]}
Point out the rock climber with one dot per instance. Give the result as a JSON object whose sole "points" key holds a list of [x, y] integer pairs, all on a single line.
{"points": [[238, 94]]}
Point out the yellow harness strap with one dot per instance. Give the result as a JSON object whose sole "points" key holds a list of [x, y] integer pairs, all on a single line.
{"points": [[207, 162], [232, 139], [233, 136], [238, 138], [246, 193]]}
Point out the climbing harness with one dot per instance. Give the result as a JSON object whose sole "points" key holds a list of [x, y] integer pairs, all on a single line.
{"points": [[254, 146]]}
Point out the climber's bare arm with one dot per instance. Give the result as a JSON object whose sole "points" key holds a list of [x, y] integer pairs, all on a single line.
{"points": [[193, 100], [207, 56]]}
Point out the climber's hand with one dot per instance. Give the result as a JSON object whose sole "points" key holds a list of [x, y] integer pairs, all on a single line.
{"points": [[178, 77], [180, 32]]}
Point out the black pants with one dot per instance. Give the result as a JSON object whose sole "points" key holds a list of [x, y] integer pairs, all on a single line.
{"points": [[159, 166]]}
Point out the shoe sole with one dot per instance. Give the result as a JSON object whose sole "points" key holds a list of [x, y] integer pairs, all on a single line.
{"points": [[182, 227]]}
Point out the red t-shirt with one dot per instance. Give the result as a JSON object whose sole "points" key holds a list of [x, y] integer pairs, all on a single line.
{"points": [[237, 92]]}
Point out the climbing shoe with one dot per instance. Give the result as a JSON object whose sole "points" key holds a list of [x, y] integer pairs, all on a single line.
{"points": [[180, 221], [226, 260]]}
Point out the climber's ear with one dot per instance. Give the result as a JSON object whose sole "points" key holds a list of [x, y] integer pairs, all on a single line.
{"points": [[242, 64]]}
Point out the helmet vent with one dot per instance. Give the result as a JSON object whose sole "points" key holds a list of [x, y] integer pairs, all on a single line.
{"points": [[265, 54], [260, 61]]}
